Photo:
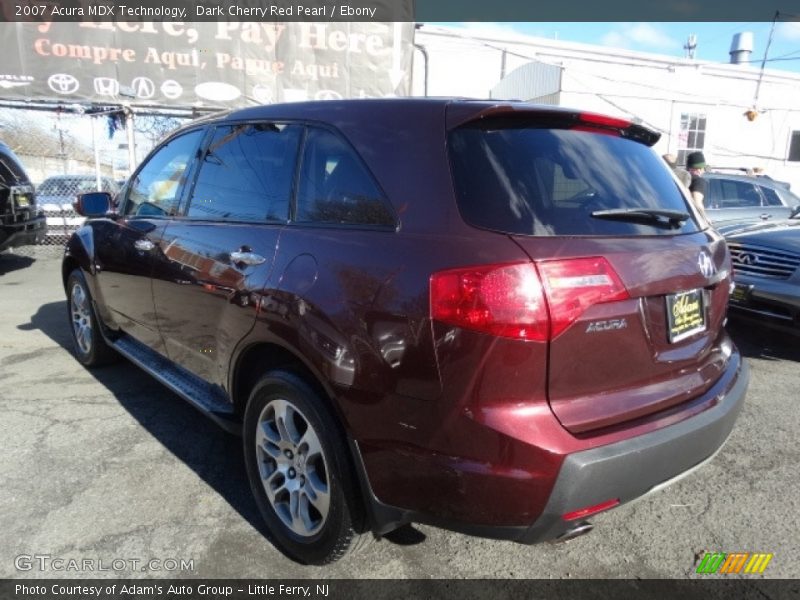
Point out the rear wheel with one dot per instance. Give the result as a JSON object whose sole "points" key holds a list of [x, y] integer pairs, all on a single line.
{"points": [[299, 470], [90, 347]]}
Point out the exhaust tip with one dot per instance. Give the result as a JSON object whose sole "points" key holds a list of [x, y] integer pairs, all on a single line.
{"points": [[574, 532]]}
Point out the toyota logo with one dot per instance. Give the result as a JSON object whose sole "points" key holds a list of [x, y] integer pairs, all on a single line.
{"points": [[707, 267], [327, 95], [63, 83]]}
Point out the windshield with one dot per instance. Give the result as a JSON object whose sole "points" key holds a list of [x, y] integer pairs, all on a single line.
{"points": [[533, 180]]}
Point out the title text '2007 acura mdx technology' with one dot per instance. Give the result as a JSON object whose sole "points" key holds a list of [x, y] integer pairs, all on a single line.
{"points": [[497, 318]]}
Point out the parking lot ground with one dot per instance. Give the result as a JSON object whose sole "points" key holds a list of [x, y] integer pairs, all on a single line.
{"points": [[107, 464]]}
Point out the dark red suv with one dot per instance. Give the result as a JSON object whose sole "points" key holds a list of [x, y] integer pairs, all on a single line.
{"points": [[498, 318]]}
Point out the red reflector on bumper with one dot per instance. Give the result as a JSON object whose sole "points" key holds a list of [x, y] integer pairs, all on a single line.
{"points": [[582, 513]]}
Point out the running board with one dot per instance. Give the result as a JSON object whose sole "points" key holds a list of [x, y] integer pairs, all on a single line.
{"points": [[205, 398]]}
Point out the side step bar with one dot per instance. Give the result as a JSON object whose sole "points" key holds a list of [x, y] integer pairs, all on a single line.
{"points": [[205, 398]]}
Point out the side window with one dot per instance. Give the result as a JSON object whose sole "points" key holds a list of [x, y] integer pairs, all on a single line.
{"points": [[155, 189], [771, 197], [789, 199], [713, 196], [749, 195], [738, 194], [335, 186], [794, 147], [247, 173]]}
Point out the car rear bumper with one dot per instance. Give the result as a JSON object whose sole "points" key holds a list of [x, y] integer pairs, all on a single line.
{"points": [[632, 468], [624, 471], [23, 233]]}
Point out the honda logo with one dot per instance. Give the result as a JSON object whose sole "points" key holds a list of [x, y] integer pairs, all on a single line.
{"points": [[706, 264], [63, 83], [106, 86]]}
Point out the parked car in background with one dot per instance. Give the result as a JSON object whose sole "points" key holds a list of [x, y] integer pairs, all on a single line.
{"points": [[56, 196], [420, 310], [21, 221], [766, 266], [734, 198]]}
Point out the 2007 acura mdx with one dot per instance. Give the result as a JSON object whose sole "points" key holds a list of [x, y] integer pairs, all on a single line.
{"points": [[497, 318]]}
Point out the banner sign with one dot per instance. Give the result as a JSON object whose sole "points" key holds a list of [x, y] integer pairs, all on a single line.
{"points": [[204, 64]]}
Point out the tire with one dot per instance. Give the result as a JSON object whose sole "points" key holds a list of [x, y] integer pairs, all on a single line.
{"points": [[299, 470], [89, 345]]}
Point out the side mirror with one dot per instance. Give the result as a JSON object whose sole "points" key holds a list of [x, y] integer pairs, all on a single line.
{"points": [[795, 212], [93, 204]]}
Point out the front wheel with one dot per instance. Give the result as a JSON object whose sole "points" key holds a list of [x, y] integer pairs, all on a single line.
{"points": [[90, 347], [299, 470]]}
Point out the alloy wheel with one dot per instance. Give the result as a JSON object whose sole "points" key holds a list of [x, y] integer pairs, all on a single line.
{"points": [[81, 318], [293, 468]]}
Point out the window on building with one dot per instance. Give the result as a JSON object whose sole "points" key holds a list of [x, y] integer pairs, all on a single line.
{"points": [[692, 135], [794, 147]]}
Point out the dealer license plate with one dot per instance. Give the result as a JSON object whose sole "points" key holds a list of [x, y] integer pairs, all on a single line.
{"points": [[686, 314], [740, 294]]}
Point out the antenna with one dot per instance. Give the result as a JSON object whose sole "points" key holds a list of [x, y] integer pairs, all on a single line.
{"points": [[764, 62]]}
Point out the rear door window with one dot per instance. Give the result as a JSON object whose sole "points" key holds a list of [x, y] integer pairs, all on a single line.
{"points": [[335, 186], [246, 174], [738, 194], [534, 180]]}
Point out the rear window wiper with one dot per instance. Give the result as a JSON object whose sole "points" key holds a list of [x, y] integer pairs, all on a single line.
{"points": [[675, 218]]}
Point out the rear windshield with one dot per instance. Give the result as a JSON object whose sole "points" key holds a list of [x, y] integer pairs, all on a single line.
{"points": [[537, 181]]}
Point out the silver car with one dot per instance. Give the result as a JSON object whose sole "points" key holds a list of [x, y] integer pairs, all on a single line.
{"points": [[746, 199], [55, 196], [766, 270]]}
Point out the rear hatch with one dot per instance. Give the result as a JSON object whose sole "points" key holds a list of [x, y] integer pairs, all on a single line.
{"points": [[635, 286]]}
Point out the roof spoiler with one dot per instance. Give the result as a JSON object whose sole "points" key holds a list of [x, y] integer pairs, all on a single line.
{"points": [[464, 113]]}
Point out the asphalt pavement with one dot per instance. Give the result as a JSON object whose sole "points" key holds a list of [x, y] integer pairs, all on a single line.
{"points": [[107, 469]]}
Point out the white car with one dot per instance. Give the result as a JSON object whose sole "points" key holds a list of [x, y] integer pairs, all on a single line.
{"points": [[55, 196]]}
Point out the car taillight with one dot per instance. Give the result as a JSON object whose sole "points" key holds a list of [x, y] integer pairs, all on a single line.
{"points": [[501, 300], [574, 285], [523, 301]]}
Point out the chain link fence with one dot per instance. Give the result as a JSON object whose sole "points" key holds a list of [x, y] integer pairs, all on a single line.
{"points": [[69, 150]]}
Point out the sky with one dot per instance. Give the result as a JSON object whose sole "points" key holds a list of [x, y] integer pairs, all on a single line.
{"points": [[713, 39]]}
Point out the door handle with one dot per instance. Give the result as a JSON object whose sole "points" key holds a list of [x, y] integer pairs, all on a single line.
{"points": [[144, 245], [241, 257], [765, 216]]}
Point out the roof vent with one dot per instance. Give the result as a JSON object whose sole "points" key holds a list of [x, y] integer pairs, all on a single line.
{"points": [[741, 48]]}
